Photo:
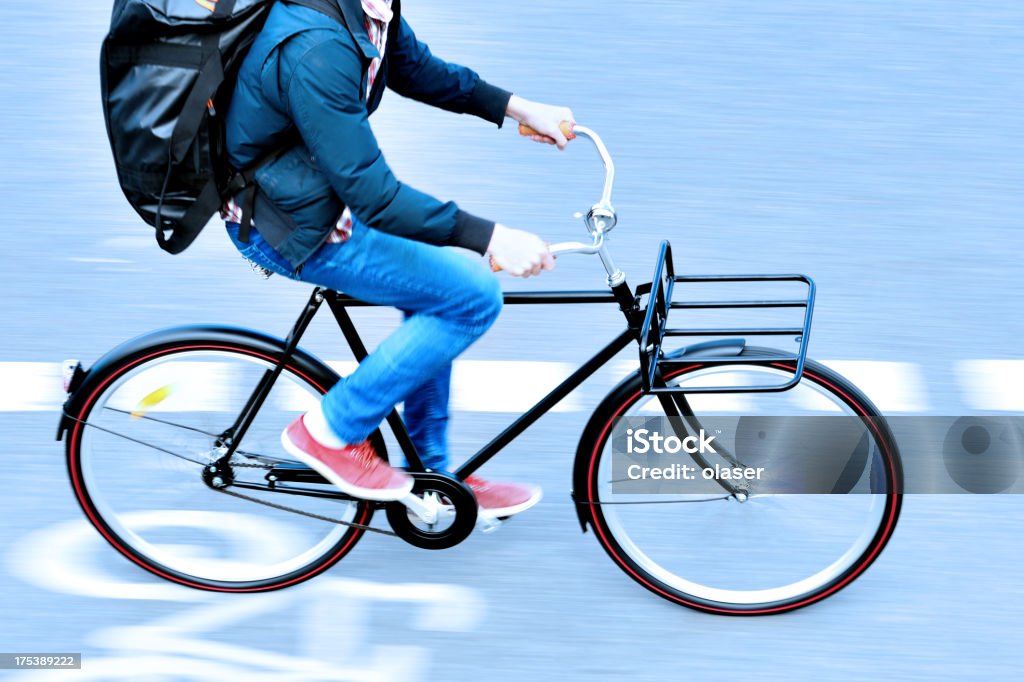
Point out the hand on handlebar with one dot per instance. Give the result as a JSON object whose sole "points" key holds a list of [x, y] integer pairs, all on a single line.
{"points": [[518, 252], [542, 122]]}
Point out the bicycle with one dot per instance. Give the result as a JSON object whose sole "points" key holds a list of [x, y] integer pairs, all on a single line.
{"points": [[154, 430]]}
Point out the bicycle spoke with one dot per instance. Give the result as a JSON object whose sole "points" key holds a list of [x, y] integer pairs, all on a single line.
{"points": [[160, 421], [717, 498], [246, 453], [139, 442]]}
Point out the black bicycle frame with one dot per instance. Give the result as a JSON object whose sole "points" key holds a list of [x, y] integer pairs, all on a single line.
{"points": [[339, 304], [646, 325]]}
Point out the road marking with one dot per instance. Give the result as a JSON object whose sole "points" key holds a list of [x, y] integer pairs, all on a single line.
{"points": [[508, 385], [71, 558], [513, 386], [894, 387], [498, 385], [992, 384], [29, 386], [477, 386], [93, 259]]}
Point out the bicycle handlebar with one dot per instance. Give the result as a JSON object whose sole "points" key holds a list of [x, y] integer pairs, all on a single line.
{"points": [[564, 249], [601, 217], [571, 132], [609, 165], [565, 126]]}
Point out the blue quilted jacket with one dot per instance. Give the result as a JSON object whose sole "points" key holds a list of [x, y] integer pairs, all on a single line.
{"points": [[302, 87]]}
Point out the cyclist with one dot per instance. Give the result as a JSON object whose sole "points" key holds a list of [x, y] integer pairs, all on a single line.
{"points": [[330, 212]]}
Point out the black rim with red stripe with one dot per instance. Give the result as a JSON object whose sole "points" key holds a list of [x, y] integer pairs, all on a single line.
{"points": [[321, 378]]}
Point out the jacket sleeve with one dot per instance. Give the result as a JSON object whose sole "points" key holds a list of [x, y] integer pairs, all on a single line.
{"points": [[323, 99], [416, 73]]}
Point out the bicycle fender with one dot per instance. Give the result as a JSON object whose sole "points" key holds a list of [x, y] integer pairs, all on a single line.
{"points": [[606, 411], [140, 347]]}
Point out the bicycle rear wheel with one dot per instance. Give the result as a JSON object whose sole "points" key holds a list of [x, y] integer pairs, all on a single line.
{"points": [[769, 553], [138, 446]]}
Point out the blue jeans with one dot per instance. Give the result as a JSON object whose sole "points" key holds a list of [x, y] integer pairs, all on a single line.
{"points": [[449, 301]]}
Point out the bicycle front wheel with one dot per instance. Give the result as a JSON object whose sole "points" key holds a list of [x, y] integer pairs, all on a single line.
{"points": [[763, 553], [139, 443]]}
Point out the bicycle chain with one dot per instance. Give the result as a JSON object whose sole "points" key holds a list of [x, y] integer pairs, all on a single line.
{"points": [[293, 510], [243, 465], [274, 505]]}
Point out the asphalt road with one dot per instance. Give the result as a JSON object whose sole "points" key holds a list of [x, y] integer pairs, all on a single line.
{"points": [[875, 146]]}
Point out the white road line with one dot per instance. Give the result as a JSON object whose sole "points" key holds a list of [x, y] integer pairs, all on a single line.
{"points": [[514, 386], [93, 259], [894, 387], [992, 384], [477, 386], [484, 385], [508, 385], [29, 386]]}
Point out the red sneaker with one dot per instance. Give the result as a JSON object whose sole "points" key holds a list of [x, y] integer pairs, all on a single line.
{"points": [[354, 469], [497, 500]]}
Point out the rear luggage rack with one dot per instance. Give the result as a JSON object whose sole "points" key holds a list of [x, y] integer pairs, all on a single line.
{"points": [[654, 364]]}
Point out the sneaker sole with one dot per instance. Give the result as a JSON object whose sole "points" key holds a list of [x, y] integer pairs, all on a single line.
{"points": [[512, 510], [377, 495]]}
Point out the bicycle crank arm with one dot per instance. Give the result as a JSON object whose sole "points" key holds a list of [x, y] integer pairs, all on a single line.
{"points": [[426, 508], [429, 510]]}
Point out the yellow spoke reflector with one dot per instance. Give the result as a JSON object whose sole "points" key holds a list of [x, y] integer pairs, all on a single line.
{"points": [[152, 400]]}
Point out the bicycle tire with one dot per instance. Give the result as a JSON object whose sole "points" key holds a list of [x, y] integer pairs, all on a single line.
{"points": [[629, 392], [169, 344]]}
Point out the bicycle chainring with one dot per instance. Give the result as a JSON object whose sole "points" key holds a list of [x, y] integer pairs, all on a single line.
{"points": [[456, 517]]}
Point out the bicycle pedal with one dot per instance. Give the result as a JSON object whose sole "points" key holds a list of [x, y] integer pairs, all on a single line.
{"points": [[488, 524]]}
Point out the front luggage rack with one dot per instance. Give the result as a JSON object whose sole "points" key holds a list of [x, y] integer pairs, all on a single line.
{"points": [[655, 364]]}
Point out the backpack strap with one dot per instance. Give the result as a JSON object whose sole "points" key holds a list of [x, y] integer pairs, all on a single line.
{"points": [[191, 224], [328, 7], [243, 186], [243, 183], [248, 197], [350, 15], [223, 8], [211, 75]]}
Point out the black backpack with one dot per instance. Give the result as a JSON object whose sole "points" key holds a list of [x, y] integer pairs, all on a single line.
{"points": [[168, 70]]}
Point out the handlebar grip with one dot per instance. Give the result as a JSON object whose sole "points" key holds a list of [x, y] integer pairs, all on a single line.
{"points": [[565, 126], [497, 268]]}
